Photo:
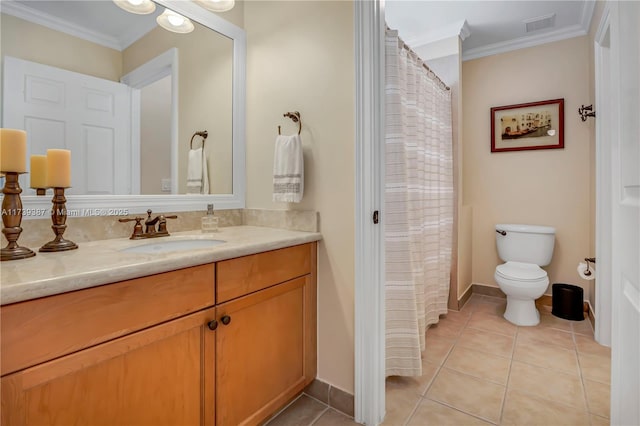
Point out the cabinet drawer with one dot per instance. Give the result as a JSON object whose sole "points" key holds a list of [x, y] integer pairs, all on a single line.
{"points": [[244, 275], [42, 329]]}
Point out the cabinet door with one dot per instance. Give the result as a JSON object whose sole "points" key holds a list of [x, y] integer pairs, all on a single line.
{"points": [[262, 343], [163, 375]]}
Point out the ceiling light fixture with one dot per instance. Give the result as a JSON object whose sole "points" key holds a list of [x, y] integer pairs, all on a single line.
{"points": [[217, 5], [139, 7], [174, 22]]}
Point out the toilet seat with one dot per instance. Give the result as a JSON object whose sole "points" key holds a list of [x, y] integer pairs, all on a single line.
{"points": [[521, 272]]}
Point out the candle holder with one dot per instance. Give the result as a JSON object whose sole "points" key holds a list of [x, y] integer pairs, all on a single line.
{"points": [[59, 219], [12, 218]]}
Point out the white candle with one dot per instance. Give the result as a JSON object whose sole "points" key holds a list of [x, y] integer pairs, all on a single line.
{"points": [[13, 150], [38, 173], [58, 168]]}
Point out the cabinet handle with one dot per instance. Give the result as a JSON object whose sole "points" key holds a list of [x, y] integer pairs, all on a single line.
{"points": [[212, 325], [226, 319]]}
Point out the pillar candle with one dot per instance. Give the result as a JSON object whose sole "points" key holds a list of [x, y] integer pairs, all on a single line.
{"points": [[13, 150], [38, 171], [58, 168]]}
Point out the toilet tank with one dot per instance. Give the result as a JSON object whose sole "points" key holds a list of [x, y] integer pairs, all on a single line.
{"points": [[525, 243]]}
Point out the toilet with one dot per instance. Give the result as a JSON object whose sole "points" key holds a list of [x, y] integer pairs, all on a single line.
{"points": [[524, 249]]}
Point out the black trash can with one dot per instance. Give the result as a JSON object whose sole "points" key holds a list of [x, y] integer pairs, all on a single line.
{"points": [[567, 302]]}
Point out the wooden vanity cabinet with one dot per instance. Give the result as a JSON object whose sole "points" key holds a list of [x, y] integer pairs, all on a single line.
{"points": [[133, 352], [159, 350], [163, 375]]}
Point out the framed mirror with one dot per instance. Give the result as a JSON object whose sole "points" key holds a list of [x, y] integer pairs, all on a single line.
{"points": [[174, 88]]}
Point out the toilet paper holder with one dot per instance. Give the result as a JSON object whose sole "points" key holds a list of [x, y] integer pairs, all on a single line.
{"points": [[587, 272]]}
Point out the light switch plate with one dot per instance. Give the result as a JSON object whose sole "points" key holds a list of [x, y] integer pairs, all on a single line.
{"points": [[165, 185]]}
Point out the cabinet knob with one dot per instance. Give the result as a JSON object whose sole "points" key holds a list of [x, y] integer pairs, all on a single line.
{"points": [[212, 324], [226, 319]]}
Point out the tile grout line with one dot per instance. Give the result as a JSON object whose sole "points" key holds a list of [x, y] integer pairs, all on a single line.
{"points": [[314, 421], [582, 378], [506, 386], [461, 411]]}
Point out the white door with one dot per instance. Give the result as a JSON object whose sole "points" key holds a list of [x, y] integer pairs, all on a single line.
{"points": [[625, 144], [62, 109]]}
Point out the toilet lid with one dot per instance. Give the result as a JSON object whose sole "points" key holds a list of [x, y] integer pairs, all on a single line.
{"points": [[521, 271]]}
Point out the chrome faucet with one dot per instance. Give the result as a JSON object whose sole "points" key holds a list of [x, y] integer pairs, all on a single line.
{"points": [[150, 226]]}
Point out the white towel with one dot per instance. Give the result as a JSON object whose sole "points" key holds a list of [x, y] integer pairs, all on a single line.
{"points": [[197, 172], [288, 169]]}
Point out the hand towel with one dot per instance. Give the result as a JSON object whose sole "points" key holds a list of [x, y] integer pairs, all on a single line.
{"points": [[288, 169], [197, 172]]}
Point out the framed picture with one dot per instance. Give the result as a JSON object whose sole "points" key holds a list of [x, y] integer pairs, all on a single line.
{"points": [[535, 125]]}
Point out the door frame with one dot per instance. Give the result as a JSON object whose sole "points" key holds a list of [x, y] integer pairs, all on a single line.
{"points": [[369, 39], [151, 71], [604, 190]]}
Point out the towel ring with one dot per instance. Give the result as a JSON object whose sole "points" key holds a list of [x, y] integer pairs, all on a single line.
{"points": [[202, 134], [295, 116]]}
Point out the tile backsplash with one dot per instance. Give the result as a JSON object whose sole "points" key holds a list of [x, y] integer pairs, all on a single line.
{"points": [[37, 232]]}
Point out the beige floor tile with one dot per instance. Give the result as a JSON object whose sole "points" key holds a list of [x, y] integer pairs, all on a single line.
{"points": [[399, 406], [547, 320], [431, 413], [547, 384], [436, 349], [587, 345], [488, 322], [473, 396], [582, 327], [598, 397], [303, 411], [418, 385], [486, 341], [595, 367], [335, 418], [599, 421], [549, 336], [523, 409], [446, 329], [456, 316], [494, 309], [547, 356], [494, 300], [479, 364]]}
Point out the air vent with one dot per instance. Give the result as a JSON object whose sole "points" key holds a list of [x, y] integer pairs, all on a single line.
{"points": [[540, 23]]}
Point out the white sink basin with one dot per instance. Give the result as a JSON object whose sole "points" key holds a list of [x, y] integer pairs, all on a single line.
{"points": [[173, 245]]}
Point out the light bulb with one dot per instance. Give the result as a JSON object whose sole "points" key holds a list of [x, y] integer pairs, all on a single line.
{"points": [[139, 7], [175, 20]]}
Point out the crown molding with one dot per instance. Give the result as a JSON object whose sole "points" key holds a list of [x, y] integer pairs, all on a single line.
{"points": [[577, 30], [21, 11], [459, 29]]}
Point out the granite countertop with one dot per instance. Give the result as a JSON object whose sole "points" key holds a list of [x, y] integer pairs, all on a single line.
{"points": [[102, 262]]}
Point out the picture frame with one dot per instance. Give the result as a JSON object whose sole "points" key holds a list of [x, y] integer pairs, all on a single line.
{"points": [[528, 126]]}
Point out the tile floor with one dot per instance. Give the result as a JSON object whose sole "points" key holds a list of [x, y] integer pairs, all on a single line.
{"points": [[480, 369]]}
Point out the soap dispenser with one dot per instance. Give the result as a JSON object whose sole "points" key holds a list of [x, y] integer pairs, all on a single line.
{"points": [[209, 222]]}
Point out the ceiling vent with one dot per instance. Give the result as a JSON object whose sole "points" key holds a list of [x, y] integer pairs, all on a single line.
{"points": [[540, 23]]}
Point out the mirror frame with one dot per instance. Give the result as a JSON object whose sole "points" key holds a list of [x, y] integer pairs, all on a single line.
{"points": [[121, 205]]}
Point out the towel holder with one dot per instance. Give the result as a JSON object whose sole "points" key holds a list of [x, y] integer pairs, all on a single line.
{"points": [[295, 116], [203, 134]]}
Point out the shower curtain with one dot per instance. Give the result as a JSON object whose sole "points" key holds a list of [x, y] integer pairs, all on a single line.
{"points": [[418, 205]]}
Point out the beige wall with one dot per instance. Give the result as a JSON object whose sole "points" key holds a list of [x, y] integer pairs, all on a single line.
{"points": [[300, 58], [545, 187], [155, 135], [32, 42], [205, 95]]}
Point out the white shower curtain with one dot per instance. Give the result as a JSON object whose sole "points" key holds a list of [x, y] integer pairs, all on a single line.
{"points": [[418, 206]]}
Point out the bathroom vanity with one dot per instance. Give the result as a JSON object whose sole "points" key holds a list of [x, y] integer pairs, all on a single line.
{"points": [[226, 338]]}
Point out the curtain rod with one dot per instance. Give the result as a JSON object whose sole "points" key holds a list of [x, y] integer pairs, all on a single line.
{"points": [[435, 76], [406, 47]]}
